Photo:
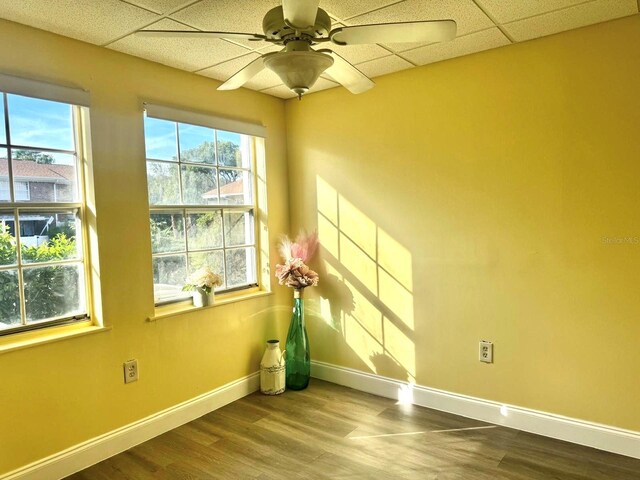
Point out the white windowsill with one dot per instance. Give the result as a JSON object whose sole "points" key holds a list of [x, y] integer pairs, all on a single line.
{"points": [[18, 341], [166, 311]]}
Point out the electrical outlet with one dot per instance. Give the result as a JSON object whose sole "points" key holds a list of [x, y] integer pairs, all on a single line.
{"points": [[130, 371], [486, 351]]}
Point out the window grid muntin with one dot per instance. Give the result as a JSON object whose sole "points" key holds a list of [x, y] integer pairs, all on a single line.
{"points": [[17, 206], [184, 211]]}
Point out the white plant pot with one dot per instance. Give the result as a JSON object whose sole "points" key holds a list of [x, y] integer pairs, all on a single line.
{"points": [[202, 299]]}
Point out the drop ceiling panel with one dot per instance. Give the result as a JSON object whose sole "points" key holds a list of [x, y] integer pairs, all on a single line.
{"points": [[357, 53], [228, 16], [570, 18], [283, 92], [508, 11], [111, 22], [160, 6], [466, 14], [265, 79], [383, 66], [185, 53], [344, 9], [280, 91], [223, 71], [475, 42], [87, 20]]}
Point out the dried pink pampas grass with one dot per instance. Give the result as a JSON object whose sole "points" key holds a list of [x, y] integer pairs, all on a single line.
{"points": [[295, 273]]}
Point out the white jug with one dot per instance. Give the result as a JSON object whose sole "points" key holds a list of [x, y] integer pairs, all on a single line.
{"points": [[272, 376]]}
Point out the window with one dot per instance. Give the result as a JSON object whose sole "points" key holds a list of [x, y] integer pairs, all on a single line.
{"points": [[42, 267], [202, 205]]}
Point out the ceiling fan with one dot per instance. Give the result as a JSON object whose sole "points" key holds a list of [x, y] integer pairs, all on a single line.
{"points": [[298, 25]]}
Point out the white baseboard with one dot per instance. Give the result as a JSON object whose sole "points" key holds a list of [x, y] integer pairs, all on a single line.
{"points": [[100, 448], [603, 437]]}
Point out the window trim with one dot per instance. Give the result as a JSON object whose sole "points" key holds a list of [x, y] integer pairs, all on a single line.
{"points": [[257, 134], [79, 113]]}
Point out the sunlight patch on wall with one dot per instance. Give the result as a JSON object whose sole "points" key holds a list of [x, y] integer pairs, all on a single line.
{"points": [[396, 342], [396, 297], [359, 228], [368, 286], [395, 259], [366, 313], [362, 342], [327, 200], [358, 263]]}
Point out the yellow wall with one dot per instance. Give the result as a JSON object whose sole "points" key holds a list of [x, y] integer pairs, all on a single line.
{"points": [[459, 201], [56, 395], [468, 200]]}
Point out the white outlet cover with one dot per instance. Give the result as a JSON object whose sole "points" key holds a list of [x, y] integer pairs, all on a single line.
{"points": [[486, 352]]}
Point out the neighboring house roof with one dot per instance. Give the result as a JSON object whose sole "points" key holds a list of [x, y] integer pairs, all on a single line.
{"points": [[27, 170], [232, 188]]}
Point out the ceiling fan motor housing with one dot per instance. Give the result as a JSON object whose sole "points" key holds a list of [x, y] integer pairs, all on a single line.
{"points": [[275, 27]]}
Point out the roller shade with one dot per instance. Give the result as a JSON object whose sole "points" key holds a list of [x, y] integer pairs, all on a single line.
{"points": [[204, 120], [43, 90]]}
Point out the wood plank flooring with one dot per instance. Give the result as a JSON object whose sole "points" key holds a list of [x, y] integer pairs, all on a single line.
{"points": [[333, 432]]}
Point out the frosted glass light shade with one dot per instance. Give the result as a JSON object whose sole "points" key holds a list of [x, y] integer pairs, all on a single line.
{"points": [[299, 70]]}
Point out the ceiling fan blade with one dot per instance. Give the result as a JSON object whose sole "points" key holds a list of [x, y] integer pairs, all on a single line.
{"points": [[243, 76], [347, 75], [199, 33], [402, 32], [300, 13]]}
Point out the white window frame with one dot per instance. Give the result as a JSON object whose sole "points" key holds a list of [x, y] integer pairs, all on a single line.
{"points": [[78, 100], [255, 133]]}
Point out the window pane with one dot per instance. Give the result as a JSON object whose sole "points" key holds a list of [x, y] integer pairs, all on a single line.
{"points": [[48, 236], [40, 123], [213, 260], [196, 144], [163, 183], [160, 139], [53, 291], [3, 131], [169, 274], [7, 239], [238, 228], [240, 266], [233, 149], [204, 230], [167, 232], [198, 184], [4, 176], [9, 299], [44, 177], [235, 187]]}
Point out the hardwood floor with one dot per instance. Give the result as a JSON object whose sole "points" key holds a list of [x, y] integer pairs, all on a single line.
{"points": [[332, 432]]}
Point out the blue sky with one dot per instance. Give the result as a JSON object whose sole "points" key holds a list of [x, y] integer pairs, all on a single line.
{"points": [[41, 124], [161, 142], [49, 125]]}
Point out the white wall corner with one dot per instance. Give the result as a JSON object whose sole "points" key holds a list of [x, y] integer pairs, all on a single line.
{"points": [[603, 437], [88, 453]]}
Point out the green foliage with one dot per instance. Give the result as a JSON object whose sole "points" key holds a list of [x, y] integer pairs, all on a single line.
{"points": [[7, 246], [37, 157], [167, 233], [59, 247], [50, 291]]}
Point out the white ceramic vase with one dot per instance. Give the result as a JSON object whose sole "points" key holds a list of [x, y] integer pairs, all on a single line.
{"points": [[202, 298], [272, 375]]}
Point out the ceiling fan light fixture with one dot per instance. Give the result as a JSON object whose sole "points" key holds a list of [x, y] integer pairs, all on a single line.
{"points": [[299, 70]]}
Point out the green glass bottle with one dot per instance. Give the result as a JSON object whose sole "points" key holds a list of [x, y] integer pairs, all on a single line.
{"points": [[297, 359]]}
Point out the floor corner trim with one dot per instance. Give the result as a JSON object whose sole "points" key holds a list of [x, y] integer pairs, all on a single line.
{"points": [[88, 453], [602, 437]]}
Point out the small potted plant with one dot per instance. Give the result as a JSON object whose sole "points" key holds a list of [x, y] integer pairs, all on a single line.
{"points": [[201, 283]]}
